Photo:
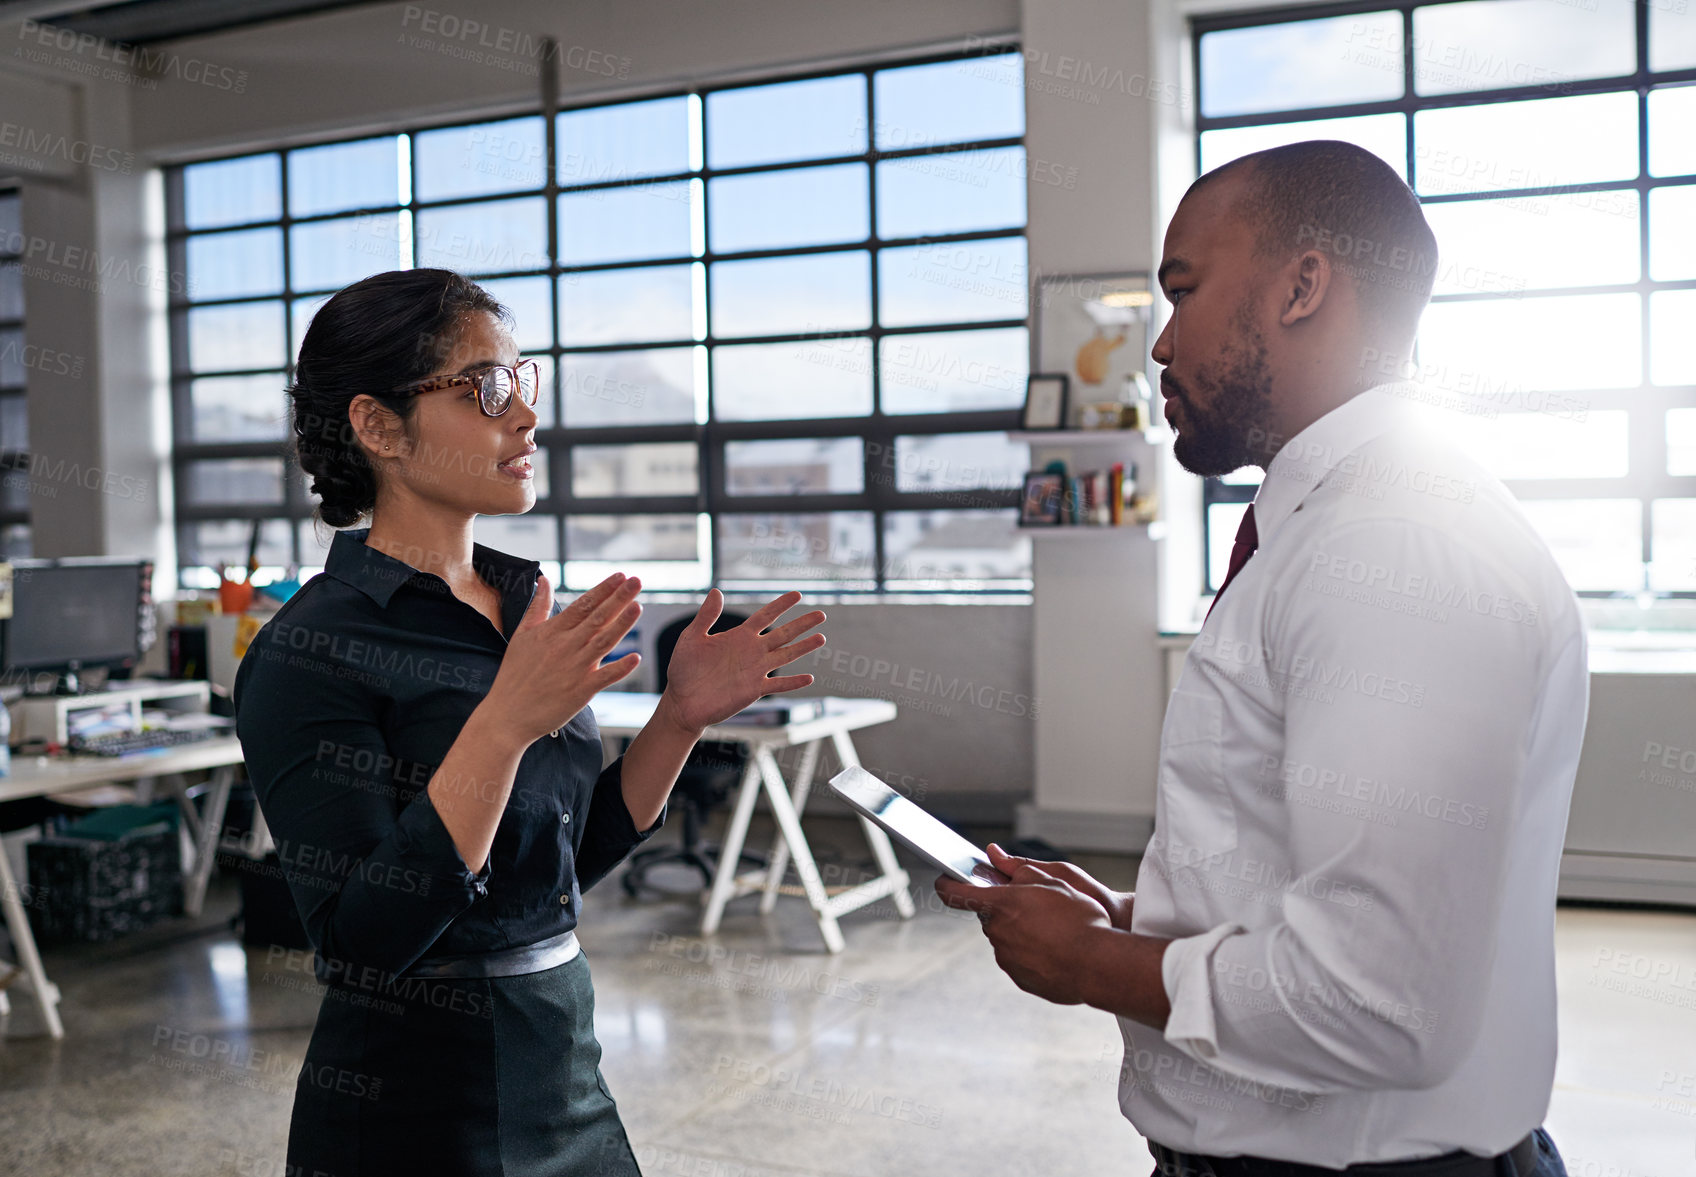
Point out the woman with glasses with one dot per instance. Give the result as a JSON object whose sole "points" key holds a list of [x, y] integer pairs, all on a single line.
{"points": [[415, 725]]}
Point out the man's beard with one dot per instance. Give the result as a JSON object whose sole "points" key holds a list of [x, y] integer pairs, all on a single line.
{"points": [[1232, 432]]}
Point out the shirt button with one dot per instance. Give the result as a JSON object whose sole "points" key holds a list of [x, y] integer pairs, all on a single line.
{"points": [[565, 899], [555, 732], [565, 818]]}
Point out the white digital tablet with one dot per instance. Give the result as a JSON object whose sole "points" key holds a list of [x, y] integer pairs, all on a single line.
{"points": [[928, 837]]}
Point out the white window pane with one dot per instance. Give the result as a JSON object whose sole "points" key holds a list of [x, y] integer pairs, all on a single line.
{"points": [[1543, 445], [626, 306], [1672, 35], [301, 311], [958, 282], [1672, 131], [653, 386], [954, 192], [243, 335], [623, 142], [962, 101], [1672, 233], [226, 540], [788, 121], [342, 176], [800, 206], [776, 296], [1681, 441], [479, 160], [489, 238], [528, 536], [958, 462], [235, 265], [1503, 352], [789, 381], [627, 471], [233, 191], [666, 551], [795, 466], [1672, 545], [1672, 336], [625, 224], [960, 550], [1384, 135], [761, 549], [1299, 64], [1223, 519], [532, 309], [954, 371], [1540, 143], [1492, 44], [1527, 243], [234, 480], [1598, 543], [238, 408], [328, 255]]}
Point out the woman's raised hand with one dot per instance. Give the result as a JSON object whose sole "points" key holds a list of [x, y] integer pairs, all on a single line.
{"points": [[552, 666], [712, 676]]}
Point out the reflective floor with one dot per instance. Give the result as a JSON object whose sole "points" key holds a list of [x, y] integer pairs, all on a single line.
{"points": [[758, 1054]]}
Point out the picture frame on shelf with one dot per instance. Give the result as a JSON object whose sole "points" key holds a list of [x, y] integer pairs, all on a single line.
{"points": [[1047, 402], [1093, 328], [1039, 506]]}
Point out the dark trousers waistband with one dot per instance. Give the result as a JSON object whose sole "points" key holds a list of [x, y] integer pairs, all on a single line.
{"points": [[507, 962], [1453, 1164]]}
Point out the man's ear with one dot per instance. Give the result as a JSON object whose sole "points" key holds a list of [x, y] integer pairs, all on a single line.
{"points": [[1307, 282]]}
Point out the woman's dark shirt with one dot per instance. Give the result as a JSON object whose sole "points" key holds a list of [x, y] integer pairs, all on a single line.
{"points": [[346, 703]]}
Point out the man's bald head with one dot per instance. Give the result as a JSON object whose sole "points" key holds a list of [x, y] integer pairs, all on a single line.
{"points": [[1340, 199]]}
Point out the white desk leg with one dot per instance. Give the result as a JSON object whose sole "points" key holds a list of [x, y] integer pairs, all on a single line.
{"points": [[875, 837], [779, 857], [787, 821], [208, 837], [730, 853], [46, 993]]}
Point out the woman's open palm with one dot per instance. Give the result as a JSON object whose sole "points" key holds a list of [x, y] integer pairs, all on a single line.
{"points": [[712, 676]]}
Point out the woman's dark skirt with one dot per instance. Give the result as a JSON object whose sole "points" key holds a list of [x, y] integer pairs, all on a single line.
{"points": [[472, 1076]]}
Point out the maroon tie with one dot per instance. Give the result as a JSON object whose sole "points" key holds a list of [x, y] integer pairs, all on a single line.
{"points": [[1247, 540]]}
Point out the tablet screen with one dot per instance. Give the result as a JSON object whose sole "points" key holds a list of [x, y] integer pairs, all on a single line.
{"points": [[918, 829]]}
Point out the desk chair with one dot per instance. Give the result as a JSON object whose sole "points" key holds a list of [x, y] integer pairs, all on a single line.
{"points": [[712, 771]]}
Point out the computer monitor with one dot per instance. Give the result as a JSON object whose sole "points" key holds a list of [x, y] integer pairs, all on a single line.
{"points": [[72, 615]]}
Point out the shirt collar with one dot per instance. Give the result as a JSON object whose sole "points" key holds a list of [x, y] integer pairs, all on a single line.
{"points": [[1304, 461], [377, 574]]}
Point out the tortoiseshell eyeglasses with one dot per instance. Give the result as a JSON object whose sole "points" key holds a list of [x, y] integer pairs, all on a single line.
{"points": [[494, 385]]}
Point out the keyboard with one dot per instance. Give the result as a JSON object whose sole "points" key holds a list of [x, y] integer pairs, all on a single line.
{"points": [[151, 740]]}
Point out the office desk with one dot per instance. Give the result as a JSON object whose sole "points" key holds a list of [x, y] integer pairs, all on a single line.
{"points": [[623, 713], [41, 776]]}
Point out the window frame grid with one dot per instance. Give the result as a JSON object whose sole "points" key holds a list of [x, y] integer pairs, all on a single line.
{"points": [[1646, 478], [14, 460], [878, 431]]}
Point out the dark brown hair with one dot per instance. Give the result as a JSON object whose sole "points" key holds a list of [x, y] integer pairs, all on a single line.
{"points": [[381, 332]]}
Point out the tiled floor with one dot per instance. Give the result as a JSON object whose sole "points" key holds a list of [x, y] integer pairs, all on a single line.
{"points": [[757, 1054]]}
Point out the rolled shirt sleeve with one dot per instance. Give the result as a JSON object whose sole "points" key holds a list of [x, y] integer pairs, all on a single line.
{"points": [[375, 876], [1420, 796]]}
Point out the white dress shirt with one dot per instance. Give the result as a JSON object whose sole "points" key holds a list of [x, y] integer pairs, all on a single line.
{"points": [[1364, 778]]}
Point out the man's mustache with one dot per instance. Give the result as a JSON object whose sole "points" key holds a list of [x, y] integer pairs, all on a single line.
{"points": [[1172, 389]]}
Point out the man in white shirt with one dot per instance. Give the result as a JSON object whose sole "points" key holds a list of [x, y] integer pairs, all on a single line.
{"points": [[1340, 951]]}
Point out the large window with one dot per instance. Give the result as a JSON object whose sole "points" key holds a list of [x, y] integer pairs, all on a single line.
{"points": [[1554, 148], [15, 358], [782, 326]]}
